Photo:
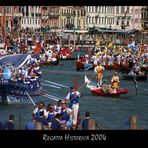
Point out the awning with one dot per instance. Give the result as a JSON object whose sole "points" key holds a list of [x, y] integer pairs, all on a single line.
{"points": [[106, 30], [16, 60]]}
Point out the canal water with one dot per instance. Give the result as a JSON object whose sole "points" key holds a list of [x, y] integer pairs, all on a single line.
{"points": [[109, 112]]}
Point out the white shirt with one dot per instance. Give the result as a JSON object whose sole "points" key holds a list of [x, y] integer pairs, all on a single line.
{"points": [[68, 96]]}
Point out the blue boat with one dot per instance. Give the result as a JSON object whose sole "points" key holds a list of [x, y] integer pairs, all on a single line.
{"points": [[18, 78]]}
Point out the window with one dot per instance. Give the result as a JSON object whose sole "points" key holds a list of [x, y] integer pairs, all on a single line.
{"points": [[122, 9], [113, 21], [117, 23], [127, 9], [8, 10], [92, 10], [78, 13], [39, 22], [36, 22], [96, 9], [99, 20], [127, 23], [74, 13], [102, 20], [22, 21], [117, 9], [82, 12]]}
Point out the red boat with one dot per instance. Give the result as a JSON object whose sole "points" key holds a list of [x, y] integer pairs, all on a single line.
{"points": [[99, 91]]}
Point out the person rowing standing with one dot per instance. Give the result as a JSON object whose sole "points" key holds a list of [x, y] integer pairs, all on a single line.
{"points": [[73, 98], [99, 74], [115, 82]]}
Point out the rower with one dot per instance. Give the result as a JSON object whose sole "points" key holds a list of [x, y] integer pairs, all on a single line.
{"points": [[36, 113], [115, 82], [73, 97], [99, 74]]}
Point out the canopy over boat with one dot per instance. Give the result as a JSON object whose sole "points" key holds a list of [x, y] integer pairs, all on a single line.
{"points": [[16, 60]]}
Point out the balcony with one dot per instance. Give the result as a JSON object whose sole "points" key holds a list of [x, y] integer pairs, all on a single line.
{"points": [[45, 17], [53, 15]]}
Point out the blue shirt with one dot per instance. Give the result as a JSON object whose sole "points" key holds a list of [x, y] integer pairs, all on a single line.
{"points": [[9, 125], [30, 126], [85, 124]]}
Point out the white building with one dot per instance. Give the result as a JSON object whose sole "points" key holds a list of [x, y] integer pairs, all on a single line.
{"points": [[31, 17], [113, 17]]}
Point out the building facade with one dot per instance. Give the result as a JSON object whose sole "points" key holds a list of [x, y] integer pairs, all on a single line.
{"points": [[114, 17], [136, 17], [31, 17], [111, 17], [144, 18], [79, 17], [66, 18], [9, 18]]}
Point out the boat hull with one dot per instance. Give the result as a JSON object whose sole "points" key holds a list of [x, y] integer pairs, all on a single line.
{"points": [[100, 92], [83, 66]]}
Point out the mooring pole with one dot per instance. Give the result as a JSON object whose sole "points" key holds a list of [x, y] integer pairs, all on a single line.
{"points": [[133, 122]]}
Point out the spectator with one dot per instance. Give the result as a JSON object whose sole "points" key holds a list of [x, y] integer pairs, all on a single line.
{"points": [[1, 126], [30, 125], [9, 125]]}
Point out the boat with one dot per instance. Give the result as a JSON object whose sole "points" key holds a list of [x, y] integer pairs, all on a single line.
{"points": [[19, 78], [49, 63], [83, 65], [99, 90]]}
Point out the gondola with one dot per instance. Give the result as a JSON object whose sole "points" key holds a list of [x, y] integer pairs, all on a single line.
{"points": [[99, 90]]}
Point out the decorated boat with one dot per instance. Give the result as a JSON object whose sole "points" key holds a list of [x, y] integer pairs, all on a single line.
{"points": [[19, 78], [103, 91]]}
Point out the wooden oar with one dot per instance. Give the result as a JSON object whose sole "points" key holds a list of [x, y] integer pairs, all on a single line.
{"points": [[51, 85], [50, 97], [54, 96], [30, 98], [88, 67], [56, 84]]}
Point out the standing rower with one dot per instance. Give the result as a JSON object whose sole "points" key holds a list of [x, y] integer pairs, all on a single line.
{"points": [[73, 97], [99, 74], [115, 82]]}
